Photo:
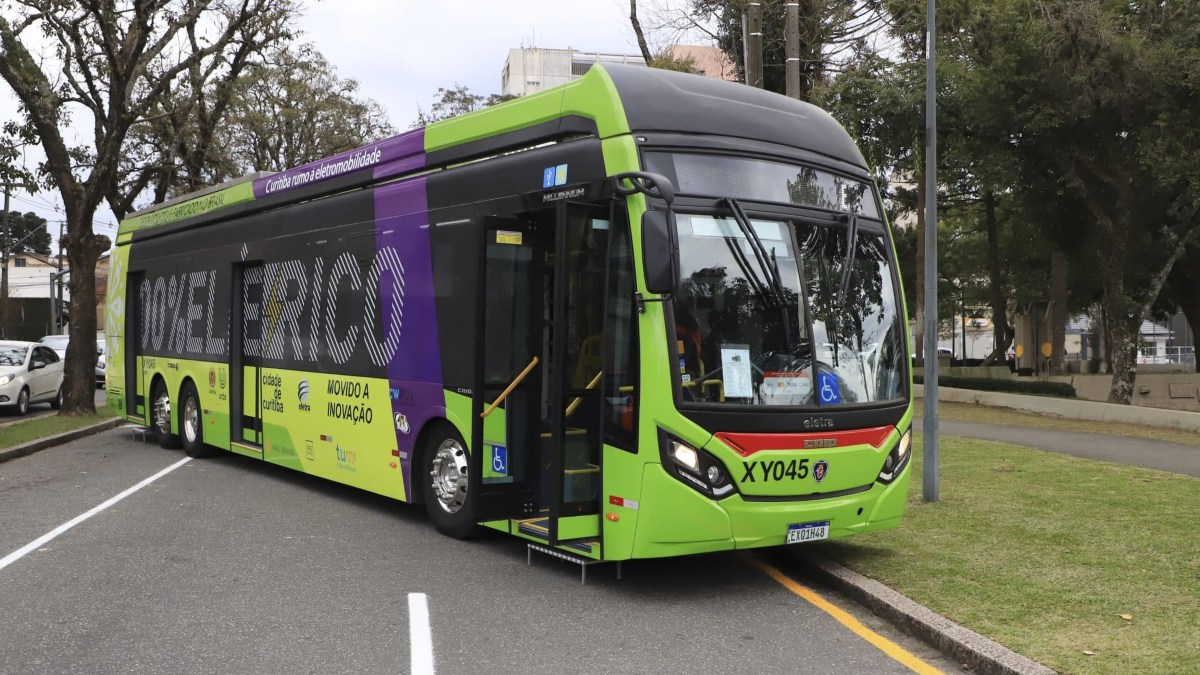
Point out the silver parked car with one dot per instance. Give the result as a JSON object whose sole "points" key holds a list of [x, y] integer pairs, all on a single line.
{"points": [[29, 373]]}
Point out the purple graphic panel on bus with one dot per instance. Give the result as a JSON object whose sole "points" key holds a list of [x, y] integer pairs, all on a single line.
{"points": [[415, 372], [388, 157]]}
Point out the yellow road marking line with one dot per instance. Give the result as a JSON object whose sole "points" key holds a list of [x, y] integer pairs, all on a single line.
{"points": [[843, 617]]}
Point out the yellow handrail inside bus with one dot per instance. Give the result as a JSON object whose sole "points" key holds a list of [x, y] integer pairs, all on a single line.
{"points": [[512, 385], [579, 399]]}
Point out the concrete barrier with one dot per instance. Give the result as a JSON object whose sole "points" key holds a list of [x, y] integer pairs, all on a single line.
{"points": [[1071, 408]]}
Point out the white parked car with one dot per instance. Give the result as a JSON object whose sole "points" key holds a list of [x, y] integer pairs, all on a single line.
{"points": [[29, 373]]}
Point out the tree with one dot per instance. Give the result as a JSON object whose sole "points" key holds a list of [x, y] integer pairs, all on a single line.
{"points": [[295, 109], [112, 63], [454, 102], [286, 107], [26, 232], [833, 33], [1105, 91], [664, 59]]}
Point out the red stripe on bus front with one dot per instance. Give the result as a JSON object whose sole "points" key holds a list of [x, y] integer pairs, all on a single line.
{"points": [[748, 444]]}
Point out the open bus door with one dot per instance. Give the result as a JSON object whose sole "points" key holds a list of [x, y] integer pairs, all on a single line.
{"points": [[542, 339]]}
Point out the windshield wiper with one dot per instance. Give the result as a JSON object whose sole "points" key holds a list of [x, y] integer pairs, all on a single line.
{"points": [[851, 252], [756, 245], [770, 270]]}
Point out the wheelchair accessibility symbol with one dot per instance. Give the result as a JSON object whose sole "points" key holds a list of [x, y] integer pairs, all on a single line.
{"points": [[828, 388], [500, 460]]}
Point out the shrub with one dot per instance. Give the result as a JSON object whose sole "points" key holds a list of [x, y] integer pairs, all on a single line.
{"points": [[1037, 387]]}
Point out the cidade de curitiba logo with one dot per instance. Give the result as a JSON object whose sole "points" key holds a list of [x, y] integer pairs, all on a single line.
{"points": [[296, 306]]}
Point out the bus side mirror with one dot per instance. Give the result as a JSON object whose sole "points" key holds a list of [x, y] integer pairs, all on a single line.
{"points": [[660, 252]]}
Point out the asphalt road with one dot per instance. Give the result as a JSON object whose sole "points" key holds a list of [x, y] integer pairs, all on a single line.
{"points": [[230, 565], [1143, 452]]}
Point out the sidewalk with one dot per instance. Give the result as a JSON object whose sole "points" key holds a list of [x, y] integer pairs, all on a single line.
{"points": [[1143, 452]]}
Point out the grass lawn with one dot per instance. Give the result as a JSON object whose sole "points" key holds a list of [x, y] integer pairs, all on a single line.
{"points": [[968, 412], [1044, 553], [21, 432]]}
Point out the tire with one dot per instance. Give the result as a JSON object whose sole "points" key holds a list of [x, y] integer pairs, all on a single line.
{"points": [[57, 401], [160, 416], [22, 405], [191, 423], [446, 483]]}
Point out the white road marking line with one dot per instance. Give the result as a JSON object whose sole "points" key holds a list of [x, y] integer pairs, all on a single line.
{"points": [[419, 636], [52, 534]]}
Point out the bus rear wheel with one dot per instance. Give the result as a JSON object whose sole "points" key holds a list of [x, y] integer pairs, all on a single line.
{"points": [[160, 416], [191, 424], [445, 481]]}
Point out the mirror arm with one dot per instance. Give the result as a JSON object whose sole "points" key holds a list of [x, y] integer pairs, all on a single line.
{"points": [[639, 301]]}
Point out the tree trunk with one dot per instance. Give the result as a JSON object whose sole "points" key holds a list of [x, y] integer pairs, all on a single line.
{"points": [[1125, 332], [1058, 310], [1185, 281], [1002, 336], [637, 31], [83, 250], [918, 312]]}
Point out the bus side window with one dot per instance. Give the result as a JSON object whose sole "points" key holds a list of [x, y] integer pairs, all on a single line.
{"points": [[621, 352]]}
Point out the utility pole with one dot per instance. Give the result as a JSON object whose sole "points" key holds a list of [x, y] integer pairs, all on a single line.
{"points": [[930, 481], [792, 39], [4, 259], [752, 40]]}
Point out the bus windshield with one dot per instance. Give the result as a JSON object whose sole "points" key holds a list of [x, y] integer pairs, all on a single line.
{"points": [[785, 313]]}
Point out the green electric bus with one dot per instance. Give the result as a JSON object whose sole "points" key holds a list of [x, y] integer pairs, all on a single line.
{"points": [[641, 314]]}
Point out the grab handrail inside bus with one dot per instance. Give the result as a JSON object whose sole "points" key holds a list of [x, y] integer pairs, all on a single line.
{"points": [[512, 385], [579, 399]]}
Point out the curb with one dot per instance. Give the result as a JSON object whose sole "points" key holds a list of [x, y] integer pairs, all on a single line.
{"points": [[58, 439], [963, 645]]}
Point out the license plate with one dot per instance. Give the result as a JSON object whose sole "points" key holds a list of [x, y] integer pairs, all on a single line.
{"points": [[802, 532]]}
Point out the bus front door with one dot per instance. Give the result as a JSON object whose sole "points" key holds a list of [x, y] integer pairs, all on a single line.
{"points": [[245, 350], [508, 373], [541, 341]]}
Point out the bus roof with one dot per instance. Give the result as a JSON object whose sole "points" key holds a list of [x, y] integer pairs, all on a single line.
{"points": [[610, 100]]}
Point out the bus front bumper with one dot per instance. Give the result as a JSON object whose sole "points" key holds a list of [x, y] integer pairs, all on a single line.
{"points": [[676, 520]]}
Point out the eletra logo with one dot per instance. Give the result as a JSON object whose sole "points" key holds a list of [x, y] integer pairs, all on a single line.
{"points": [[302, 394]]}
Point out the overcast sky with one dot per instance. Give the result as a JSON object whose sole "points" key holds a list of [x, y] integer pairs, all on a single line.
{"points": [[401, 51]]}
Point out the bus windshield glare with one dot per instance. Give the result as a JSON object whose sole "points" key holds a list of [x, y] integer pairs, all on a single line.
{"points": [[786, 313]]}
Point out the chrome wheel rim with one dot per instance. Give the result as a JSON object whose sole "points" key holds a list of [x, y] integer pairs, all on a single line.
{"points": [[162, 412], [191, 419], [448, 474]]}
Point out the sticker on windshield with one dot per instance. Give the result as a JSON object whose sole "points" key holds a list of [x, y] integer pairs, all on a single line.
{"points": [[786, 387], [829, 390], [735, 366]]}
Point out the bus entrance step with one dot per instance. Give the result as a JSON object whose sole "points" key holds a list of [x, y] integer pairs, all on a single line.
{"points": [[139, 432], [584, 563]]}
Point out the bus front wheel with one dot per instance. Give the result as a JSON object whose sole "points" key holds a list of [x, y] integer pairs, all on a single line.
{"points": [[445, 481], [160, 416]]}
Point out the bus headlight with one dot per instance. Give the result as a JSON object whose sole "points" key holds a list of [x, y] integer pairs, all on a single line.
{"points": [[897, 459], [695, 468], [686, 456]]}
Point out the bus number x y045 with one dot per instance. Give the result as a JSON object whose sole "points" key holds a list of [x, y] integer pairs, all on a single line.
{"points": [[297, 303]]}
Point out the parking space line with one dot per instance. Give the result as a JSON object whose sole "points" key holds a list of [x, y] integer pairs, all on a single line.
{"points": [[419, 635], [846, 619], [52, 534]]}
